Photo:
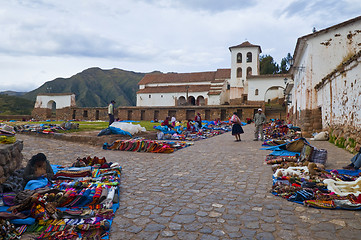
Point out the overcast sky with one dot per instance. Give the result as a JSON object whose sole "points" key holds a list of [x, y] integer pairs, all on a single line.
{"points": [[41, 40]]}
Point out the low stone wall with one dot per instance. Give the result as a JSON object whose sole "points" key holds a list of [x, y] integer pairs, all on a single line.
{"points": [[181, 113], [10, 159], [347, 137], [15, 117]]}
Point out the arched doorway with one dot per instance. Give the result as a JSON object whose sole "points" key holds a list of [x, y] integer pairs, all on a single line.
{"points": [[200, 101], [182, 101], [274, 95], [191, 100], [52, 106]]}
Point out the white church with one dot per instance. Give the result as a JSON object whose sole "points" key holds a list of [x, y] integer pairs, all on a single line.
{"points": [[241, 84]]}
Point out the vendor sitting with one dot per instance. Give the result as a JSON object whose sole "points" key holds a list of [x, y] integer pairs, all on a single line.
{"points": [[355, 161], [190, 126], [38, 166], [166, 122]]}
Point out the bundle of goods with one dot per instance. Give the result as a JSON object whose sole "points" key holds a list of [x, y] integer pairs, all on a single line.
{"points": [[79, 204], [7, 134], [300, 176], [141, 145]]}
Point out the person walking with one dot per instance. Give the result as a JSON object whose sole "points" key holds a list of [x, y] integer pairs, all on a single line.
{"points": [[259, 121], [111, 112], [237, 129]]}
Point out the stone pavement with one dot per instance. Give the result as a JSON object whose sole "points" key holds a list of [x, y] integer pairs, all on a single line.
{"points": [[215, 189]]}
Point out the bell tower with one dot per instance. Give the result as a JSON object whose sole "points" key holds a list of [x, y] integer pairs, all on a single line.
{"points": [[244, 62]]}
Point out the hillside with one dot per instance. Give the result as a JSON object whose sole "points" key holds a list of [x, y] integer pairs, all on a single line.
{"points": [[12, 105], [13, 93], [95, 87]]}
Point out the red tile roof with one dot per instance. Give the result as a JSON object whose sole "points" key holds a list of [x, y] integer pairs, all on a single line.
{"points": [[223, 74], [178, 78], [245, 44], [171, 89], [269, 76]]}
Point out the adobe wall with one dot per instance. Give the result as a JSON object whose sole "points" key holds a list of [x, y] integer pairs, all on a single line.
{"points": [[181, 113]]}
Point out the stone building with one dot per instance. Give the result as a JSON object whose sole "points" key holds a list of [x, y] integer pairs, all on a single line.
{"points": [[47, 104], [325, 91]]}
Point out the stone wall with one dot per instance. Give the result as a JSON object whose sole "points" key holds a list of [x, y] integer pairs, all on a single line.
{"points": [[10, 159], [181, 113], [343, 136], [15, 117], [310, 121]]}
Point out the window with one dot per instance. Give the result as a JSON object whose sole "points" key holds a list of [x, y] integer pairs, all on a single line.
{"points": [[249, 71], [239, 72], [249, 57], [228, 86], [150, 96], [239, 57], [256, 92], [161, 96]]}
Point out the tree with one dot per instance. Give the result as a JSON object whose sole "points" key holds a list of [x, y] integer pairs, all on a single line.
{"points": [[268, 65], [285, 64]]}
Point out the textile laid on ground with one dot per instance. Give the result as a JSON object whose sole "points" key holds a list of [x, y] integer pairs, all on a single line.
{"points": [[46, 128], [141, 145], [209, 129], [80, 203], [7, 134], [278, 130]]}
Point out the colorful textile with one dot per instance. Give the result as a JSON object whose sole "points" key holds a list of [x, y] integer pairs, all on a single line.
{"points": [[153, 146]]}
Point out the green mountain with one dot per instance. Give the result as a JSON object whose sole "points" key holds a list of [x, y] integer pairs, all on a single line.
{"points": [[95, 87], [12, 105]]}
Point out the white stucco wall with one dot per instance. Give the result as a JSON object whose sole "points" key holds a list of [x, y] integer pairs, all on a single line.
{"points": [[164, 99], [263, 84], [214, 100], [61, 100], [322, 53], [340, 98]]}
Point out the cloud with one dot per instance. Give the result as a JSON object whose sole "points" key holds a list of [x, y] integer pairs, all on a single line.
{"points": [[45, 39], [204, 5]]}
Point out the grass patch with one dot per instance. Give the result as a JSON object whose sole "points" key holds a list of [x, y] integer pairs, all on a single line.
{"points": [[87, 126]]}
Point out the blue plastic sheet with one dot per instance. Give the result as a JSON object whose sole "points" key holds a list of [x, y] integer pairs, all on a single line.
{"points": [[119, 131]]}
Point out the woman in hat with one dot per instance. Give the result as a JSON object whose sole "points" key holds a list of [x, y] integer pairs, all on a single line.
{"points": [[237, 129]]}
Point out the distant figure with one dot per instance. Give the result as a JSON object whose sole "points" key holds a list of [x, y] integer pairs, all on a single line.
{"points": [[259, 121], [173, 120], [111, 112], [38, 166], [198, 120], [166, 122], [237, 129]]}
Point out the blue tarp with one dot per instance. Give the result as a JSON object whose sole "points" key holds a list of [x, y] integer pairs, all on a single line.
{"points": [[119, 131]]}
